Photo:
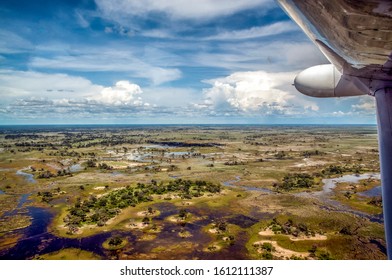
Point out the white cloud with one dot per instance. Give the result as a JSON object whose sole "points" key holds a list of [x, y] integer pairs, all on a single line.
{"points": [[178, 9], [21, 84], [256, 92], [271, 56], [256, 32], [123, 93], [366, 104], [12, 43], [83, 22], [101, 60], [34, 88]]}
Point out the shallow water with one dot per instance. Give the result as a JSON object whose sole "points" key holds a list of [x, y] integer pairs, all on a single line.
{"points": [[29, 177], [330, 184], [376, 191], [325, 193], [76, 168]]}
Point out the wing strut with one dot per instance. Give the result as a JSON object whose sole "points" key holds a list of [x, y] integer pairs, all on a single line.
{"points": [[384, 122]]}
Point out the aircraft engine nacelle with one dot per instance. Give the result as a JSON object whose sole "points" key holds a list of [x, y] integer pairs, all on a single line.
{"points": [[326, 81]]}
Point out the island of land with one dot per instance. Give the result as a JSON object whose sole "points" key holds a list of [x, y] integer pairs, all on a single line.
{"points": [[190, 192]]}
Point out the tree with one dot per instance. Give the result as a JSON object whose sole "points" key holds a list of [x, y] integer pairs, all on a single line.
{"points": [[146, 220], [183, 214], [115, 241]]}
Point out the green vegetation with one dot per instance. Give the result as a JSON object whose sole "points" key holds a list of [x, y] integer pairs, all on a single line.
{"points": [[99, 210], [69, 254], [339, 169], [296, 181], [153, 182], [114, 243]]}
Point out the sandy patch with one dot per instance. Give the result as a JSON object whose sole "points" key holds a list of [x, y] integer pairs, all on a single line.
{"points": [[212, 248], [146, 213], [304, 237], [309, 162], [280, 252], [213, 231], [268, 232], [184, 234], [139, 225], [54, 166], [175, 219], [99, 188]]}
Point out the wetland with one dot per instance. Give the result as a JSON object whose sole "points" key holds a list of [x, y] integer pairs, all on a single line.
{"points": [[190, 192]]}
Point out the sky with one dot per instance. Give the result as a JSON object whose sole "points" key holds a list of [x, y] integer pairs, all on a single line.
{"points": [[160, 62]]}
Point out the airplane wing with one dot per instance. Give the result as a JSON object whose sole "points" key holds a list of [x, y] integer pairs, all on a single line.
{"points": [[356, 37]]}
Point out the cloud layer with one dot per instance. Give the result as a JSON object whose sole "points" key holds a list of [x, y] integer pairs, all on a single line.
{"points": [[161, 61], [177, 9], [256, 92]]}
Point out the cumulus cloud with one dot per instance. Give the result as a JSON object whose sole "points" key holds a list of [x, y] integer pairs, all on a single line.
{"points": [[177, 9], [34, 93], [256, 92], [123, 93]]}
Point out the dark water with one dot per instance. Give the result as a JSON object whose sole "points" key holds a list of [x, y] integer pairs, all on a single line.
{"points": [[39, 241], [376, 191]]}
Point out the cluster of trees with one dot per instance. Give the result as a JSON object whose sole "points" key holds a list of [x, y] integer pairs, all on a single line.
{"points": [[233, 162], [220, 225], [290, 227], [281, 155], [34, 144], [105, 166], [45, 196], [46, 174], [99, 210], [308, 154], [92, 163], [338, 169], [266, 248], [296, 181], [376, 201]]}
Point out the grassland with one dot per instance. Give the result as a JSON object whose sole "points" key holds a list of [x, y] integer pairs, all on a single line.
{"points": [[100, 174]]}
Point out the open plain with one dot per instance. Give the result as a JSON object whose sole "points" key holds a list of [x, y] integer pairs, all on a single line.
{"points": [[190, 192]]}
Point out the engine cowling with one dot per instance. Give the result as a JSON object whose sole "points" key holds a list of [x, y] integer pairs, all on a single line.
{"points": [[326, 81]]}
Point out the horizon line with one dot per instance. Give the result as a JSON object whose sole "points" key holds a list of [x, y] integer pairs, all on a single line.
{"points": [[185, 124]]}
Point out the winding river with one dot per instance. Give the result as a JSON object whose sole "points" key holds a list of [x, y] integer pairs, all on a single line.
{"points": [[325, 194]]}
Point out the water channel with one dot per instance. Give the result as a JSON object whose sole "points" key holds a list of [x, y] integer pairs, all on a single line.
{"points": [[37, 240], [325, 194]]}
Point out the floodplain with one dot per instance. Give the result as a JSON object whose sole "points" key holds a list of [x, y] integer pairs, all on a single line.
{"points": [[190, 192]]}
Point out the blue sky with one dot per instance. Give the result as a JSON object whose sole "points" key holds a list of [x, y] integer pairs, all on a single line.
{"points": [[177, 61]]}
